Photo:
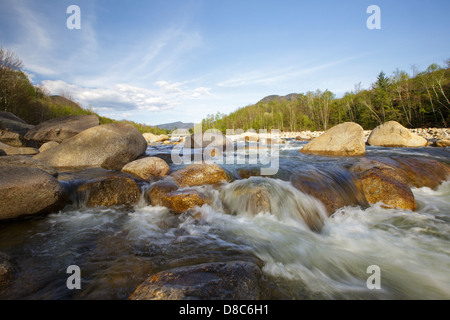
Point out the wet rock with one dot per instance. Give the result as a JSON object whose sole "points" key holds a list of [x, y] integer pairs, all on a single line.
{"points": [[12, 151], [393, 134], [110, 146], [48, 145], [24, 161], [112, 191], [256, 195], [346, 139], [181, 201], [60, 129], [419, 172], [147, 168], [27, 191], [335, 189], [199, 174], [159, 190], [236, 280], [382, 183], [8, 270]]}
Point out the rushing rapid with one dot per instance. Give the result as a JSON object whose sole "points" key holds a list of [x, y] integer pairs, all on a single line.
{"points": [[304, 254]]}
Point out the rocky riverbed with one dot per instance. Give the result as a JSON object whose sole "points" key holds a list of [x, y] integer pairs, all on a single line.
{"points": [[142, 226]]}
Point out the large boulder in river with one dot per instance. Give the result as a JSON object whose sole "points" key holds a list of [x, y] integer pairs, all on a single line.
{"points": [[345, 139], [234, 280], [113, 191], [382, 183], [393, 134], [110, 146], [199, 174], [60, 129], [147, 168], [27, 191]]}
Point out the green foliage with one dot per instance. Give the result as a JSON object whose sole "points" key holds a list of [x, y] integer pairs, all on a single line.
{"points": [[420, 101]]}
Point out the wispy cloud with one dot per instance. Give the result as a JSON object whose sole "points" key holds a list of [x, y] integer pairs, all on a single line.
{"points": [[124, 97]]}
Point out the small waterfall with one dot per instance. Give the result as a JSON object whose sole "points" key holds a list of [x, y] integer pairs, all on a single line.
{"points": [[257, 194]]}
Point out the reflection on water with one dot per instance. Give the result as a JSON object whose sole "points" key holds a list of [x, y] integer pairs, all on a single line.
{"points": [[117, 248]]}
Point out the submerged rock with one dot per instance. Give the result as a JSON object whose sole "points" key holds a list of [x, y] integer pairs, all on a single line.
{"points": [[167, 194], [334, 188], [382, 183], [110, 146], [346, 139], [393, 134], [60, 129], [265, 195], [27, 191], [8, 270], [199, 174], [112, 191], [235, 280], [147, 168]]}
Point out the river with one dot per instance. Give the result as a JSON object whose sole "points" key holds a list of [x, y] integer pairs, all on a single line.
{"points": [[117, 248]]}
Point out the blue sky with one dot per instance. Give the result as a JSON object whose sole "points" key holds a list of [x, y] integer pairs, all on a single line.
{"points": [[178, 60]]}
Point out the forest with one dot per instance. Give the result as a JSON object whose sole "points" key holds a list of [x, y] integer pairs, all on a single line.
{"points": [[416, 101]]}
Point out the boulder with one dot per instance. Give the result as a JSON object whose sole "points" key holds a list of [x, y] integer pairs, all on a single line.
{"points": [[180, 201], [419, 172], [256, 195], [60, 129], [12, 139], [443, 143], [334, 188], [345, 139], [382, 183], [12, 151], [158, 191], [208, 140], [27, 191], [393, 134], [2, 153], [48, 145], [199, 174], [110, 146], [234, 280], [149, 137], [12, 123], [147, 168], [112, 191], [24, 161]]}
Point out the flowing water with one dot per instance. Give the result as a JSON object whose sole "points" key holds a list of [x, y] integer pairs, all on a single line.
{"points": [[303, 253]]}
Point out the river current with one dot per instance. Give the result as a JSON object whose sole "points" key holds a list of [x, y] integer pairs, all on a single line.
{"points": [[117, 248]]}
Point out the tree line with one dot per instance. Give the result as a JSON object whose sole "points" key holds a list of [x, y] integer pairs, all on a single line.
{"points": [[34, 104], [420, 100]]}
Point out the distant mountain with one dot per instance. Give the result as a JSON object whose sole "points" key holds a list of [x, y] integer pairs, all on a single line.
{"points": [[178, 125], [289, 97]]}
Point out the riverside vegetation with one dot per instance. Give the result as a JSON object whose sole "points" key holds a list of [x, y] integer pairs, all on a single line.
{"points": [[106, 197]]}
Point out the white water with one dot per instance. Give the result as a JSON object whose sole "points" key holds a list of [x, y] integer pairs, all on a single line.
{"points": [[117, 248]]}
